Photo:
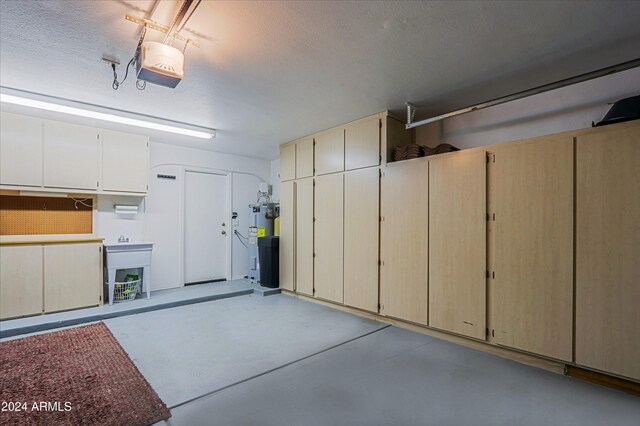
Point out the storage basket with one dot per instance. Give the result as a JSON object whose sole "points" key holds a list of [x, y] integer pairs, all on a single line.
{"points": [[124, 291]]}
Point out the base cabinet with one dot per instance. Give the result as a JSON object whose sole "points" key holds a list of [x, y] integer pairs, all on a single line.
{"points": [[72, 276], [608, 252], [20, 281]]}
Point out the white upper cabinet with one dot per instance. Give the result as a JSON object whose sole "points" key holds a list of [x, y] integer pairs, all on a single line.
{"points": [[71, 156], [125, 160], [20, 150]]}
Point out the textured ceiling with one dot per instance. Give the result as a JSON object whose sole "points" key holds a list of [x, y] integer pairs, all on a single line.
{"points": [[269, 72]]}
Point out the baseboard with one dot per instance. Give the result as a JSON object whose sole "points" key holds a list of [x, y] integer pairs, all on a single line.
{"points": [[602, 379], [551, 365]]}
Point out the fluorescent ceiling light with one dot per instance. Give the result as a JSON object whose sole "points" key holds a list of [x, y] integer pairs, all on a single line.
{"points": [[48, 106]]}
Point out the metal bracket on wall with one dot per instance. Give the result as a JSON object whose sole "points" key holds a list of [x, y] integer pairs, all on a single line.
{"points": [[411, 108]]}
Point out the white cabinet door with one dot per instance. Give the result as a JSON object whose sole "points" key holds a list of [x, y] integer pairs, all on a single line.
{"points": [[70, 156], [20, 150], [125, 162], [72, 276], [20, 280]]}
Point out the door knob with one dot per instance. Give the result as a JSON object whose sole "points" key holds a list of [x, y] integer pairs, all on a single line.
{"points": [[224, 232], [224, 224]]}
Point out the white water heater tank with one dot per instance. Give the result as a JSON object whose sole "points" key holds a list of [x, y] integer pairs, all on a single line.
{"points": [[160, 64]]}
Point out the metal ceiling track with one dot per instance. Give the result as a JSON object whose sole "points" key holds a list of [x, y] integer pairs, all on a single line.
{"points": [[148, 23], [411, 108]]}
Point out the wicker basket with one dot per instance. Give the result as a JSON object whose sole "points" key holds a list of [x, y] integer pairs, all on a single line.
{"points": [[124, 291]]}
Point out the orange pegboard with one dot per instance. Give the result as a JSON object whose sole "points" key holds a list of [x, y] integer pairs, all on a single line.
{"points": [[45, 215]]}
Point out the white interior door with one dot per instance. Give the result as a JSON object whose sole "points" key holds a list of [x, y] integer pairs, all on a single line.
{"points": [[205, 227]]}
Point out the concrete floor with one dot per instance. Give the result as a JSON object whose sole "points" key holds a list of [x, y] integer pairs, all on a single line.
{"points": [[189, 351], [161, 299], [398, 377], [251, 360]]}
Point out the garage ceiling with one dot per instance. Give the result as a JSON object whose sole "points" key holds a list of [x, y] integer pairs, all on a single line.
{"points": [[270, 72]]}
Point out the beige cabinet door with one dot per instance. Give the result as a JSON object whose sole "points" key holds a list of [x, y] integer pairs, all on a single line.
{"points": [[72, 276], [304, 236], [20, 281], [20, 150], [125, 162], [70, 156], [328, 249], [288, 162], [304, 158], [287, 235], [457, 244], [329, 152], [404, 236], [361, 238], [608, 251], [362, 144], [532, 293]]}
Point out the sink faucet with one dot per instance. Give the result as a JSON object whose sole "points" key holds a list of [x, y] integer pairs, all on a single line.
{"points": [[122, 239]]}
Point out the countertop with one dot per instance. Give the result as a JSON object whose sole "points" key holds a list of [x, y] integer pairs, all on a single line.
{"points": [[12, 240]]}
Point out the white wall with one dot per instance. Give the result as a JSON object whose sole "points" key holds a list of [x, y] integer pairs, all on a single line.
{"points": [[275, 181], [570, 108], [160, 220]]}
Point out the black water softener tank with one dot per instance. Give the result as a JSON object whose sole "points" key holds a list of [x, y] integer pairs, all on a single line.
{"points": [[269, 258]]}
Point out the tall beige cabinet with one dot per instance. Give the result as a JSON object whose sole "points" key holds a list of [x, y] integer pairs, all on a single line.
{"points": [[335, 176], [404, 238], [304, 235], [608, 251], [457, 243], [287, 235], [531, 195], [361, 238], [328, 276]]}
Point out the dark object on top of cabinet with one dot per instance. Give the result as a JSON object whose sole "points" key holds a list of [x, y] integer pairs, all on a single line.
{"points": [[623, 110]]}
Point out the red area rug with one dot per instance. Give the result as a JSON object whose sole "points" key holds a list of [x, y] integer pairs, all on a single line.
{"points": [[78, 376]]}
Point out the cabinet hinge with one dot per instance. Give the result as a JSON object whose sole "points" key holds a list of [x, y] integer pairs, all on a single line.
{"points": [[487, 216], [99, 249], [314, 142], [379, 218], [97, 183], [100, 298], [379, 262], [380, 171], [314, 255], [314, 219], [379, 306], [486, 332], [487, 275], [380, 123]]}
